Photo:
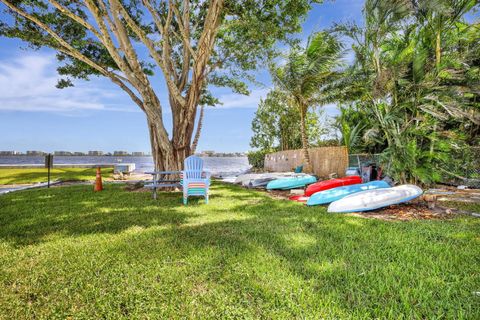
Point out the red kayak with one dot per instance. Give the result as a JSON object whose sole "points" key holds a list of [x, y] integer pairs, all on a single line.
{"points": [[299, 198], [333, 183]]}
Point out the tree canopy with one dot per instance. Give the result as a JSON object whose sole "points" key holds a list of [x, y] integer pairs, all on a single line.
{"points": [[190, 43]]}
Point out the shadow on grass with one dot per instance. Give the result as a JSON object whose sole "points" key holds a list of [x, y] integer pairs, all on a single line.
{"points": [[277, 251], [28, 217]]}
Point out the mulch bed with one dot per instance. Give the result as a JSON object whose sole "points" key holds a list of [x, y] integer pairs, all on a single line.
{"points": [[417, 210], [413, 210]]}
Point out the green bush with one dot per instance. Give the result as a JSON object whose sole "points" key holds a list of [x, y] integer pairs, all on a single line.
{"points": [[257, 158]]}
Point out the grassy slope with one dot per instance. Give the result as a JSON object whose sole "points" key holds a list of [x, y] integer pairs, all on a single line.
{"points": [[71, 252], [19, 176]]}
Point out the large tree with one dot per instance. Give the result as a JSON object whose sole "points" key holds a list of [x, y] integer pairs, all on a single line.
{"points": [[191, 43]]}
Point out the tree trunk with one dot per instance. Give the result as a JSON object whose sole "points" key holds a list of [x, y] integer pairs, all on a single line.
{"points": [[303, 126], [199, 129], [167, 154], [438, 50]]}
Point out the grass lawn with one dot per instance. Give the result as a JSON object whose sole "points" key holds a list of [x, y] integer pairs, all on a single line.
{"points": [[69, 252], [19, 176]]}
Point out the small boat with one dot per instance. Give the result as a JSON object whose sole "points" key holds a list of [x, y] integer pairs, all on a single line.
{"points": [[263, 180], [259, 182], [291, 183], [246, 177], [330, 195], [257, 179], [332, 183], [375, 199], [299, 198]]}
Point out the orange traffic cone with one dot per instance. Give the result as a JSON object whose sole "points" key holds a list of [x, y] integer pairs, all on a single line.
{"points": [[98, 181]]}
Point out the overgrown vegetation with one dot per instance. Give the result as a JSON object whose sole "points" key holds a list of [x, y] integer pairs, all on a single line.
{"points": [[118, 254], [412, 91]]}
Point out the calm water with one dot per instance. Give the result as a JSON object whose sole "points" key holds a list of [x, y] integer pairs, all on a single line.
{"points": [[218, 166]]}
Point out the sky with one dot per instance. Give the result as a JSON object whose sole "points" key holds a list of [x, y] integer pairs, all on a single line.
{"points": [[97, 115]]}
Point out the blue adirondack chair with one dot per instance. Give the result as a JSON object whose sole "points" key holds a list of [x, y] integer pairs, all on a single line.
{"points": [[196, 181]]}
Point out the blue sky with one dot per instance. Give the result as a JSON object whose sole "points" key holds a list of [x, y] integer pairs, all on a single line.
{"points": [[96, 115]]}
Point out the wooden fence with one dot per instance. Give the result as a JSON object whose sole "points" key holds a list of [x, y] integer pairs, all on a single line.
{"points": [[325, 160]]}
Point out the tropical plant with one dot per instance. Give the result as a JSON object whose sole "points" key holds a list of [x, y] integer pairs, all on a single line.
{"points": [[306, 77], [415, 79], [275, 125]]}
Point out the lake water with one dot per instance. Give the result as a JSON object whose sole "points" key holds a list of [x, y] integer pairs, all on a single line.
{"points": [[218, 166]]}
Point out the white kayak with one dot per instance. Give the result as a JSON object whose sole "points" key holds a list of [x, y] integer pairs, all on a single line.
{"points": [[375, 199]]}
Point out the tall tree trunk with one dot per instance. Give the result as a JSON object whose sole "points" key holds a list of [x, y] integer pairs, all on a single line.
{"points": [[167, 155], [199, 129], [303, 127], [438, 49]]}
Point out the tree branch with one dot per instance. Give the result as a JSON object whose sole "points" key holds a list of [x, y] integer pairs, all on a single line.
{"points": [[66, 48], [76, 18], [153, 52]]}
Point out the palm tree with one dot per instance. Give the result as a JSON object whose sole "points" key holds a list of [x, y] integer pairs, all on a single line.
{"points": [[199, 129], [306, 78]]}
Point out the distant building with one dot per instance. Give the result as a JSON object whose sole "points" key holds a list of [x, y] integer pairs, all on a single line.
{"points": [[120, 153], [138, 154], [35, 153], [95, 153], [10, 153], [208, 153], [62, 153], [76, 153]]}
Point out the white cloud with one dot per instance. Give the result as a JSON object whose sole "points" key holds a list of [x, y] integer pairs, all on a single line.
{"points": [[27, 83], [240, 101]]}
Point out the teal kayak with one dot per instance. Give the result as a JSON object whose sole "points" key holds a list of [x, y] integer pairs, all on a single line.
{"points": [[330, 195], [291, 183]]}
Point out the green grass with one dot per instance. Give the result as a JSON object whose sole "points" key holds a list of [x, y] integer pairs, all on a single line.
{"points": [[467, 206], [70, 252], [20, 176]]}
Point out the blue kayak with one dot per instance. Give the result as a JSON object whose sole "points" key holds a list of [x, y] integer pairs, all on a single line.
{"points": [[291, 183], [330, 195]]}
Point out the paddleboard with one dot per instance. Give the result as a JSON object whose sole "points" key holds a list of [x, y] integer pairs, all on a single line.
{"points": [[330, 195], [375, 199], [332, 183]]}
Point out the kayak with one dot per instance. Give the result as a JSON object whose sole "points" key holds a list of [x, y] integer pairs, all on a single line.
{"points": [[262, 181], [330, 195], [332, 183], [245, 179], [291, 183], [299, 198], [375, 199]]}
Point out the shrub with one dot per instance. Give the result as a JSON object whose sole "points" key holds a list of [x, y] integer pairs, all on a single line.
{"points": [[257, 158]]}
